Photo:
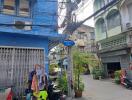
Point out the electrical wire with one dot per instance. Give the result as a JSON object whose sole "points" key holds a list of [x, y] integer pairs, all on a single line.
{"points": [[71, 28], [56, 26], [75, 6]]}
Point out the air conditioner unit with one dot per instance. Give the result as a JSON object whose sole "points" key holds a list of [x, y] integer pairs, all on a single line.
{"points": [[128, 26], [23, 25]]}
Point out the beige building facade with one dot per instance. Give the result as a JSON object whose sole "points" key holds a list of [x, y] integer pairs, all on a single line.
{"points": [[84, 38], [113, 29]]}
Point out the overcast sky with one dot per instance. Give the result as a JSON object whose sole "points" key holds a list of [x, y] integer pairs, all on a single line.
{"points": [[86, 12]]}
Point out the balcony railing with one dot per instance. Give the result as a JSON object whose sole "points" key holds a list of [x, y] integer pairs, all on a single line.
{"points": [[114, 43]]}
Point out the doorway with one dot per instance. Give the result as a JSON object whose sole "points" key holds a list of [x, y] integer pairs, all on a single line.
{"points": [[112, 67]]}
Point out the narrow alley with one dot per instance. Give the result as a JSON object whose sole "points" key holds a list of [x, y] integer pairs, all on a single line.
{"points": [[103, 90]]}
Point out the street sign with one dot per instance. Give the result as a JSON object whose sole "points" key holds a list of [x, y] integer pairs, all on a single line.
{"points": [[68, 43]]}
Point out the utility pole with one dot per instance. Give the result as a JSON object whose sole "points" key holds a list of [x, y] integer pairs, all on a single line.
{"points": [[69, 44], [69, 72]]}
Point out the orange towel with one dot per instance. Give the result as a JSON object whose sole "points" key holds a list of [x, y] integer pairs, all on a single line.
{"points": [[34, 86]]}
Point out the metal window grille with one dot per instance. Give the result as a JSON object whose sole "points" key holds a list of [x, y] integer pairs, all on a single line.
{"points": [[15, 65]]}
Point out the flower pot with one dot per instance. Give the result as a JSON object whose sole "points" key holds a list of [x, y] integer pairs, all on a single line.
{"points": [[78, 93]]}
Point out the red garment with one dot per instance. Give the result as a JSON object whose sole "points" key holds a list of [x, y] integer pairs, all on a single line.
{"points": [[130, 67], [9, 96], [123, 75]]}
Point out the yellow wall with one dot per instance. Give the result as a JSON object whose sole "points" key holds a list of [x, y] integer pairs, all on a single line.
{"points": [[114, 31], [100, 36]]}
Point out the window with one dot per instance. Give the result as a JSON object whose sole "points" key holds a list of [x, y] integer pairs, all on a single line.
{"points": [[15, 7], [24, 7], [81, 35], [113, 19], [92, 35], [9, 7], [101, 26]]}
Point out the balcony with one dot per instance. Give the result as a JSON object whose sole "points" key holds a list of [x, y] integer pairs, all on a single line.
{"points": [[114, 43], [120, 41]]}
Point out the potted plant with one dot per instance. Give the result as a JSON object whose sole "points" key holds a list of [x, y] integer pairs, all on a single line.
{"points": [[78, 61], [62, 84], [78, 88], [117, 76], [97, 73]]}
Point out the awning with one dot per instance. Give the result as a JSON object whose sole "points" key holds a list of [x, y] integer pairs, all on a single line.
{"points": [[55, 40]]}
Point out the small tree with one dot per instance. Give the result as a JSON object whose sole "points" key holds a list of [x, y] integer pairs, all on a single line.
{"points": [[79, 60]]}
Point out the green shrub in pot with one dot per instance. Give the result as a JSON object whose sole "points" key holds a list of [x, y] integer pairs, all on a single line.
{"points": [[117, 76]]}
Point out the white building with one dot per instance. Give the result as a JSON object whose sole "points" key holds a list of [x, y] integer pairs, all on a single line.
{"points": [[113, 29]]}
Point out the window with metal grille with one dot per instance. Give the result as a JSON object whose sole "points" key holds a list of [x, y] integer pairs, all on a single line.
{"points": [[23, 7], [113, 19], [16, 7], [9, 7], [15, 65]]}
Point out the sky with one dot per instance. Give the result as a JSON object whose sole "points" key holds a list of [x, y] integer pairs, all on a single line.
{"points": [[81, 14], [85, 12]]}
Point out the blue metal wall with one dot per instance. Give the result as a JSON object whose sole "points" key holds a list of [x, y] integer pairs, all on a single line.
{"points": [[43, 13]]}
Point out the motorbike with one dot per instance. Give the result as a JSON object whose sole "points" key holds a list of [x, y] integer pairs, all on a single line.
{"points": [[126, 82], [54, 93]]}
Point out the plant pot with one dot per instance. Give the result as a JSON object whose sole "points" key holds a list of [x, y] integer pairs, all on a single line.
{"points": [[117, 81], [78, 93], [95, 77]]}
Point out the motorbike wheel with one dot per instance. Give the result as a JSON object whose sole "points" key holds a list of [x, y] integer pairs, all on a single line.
{"points": [[126, 86]]}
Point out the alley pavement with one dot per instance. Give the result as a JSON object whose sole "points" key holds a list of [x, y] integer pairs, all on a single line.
{"points": [[103, 90]]}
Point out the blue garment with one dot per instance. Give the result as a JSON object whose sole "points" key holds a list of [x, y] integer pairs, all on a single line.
{"points": [[28, 96], [30, 77], [39, 73]]}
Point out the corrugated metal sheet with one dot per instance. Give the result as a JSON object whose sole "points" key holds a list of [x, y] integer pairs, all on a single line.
{"points": [[15, 65]]}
